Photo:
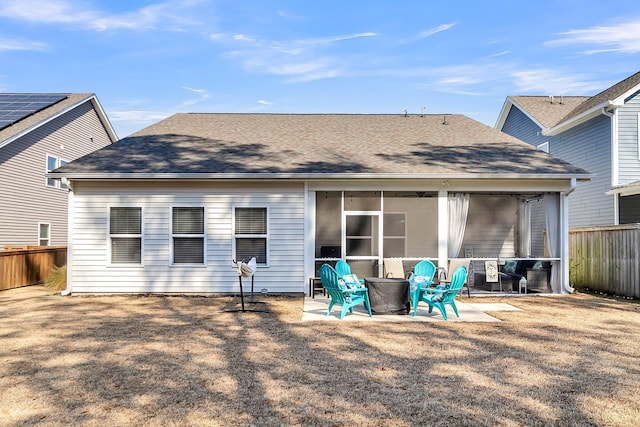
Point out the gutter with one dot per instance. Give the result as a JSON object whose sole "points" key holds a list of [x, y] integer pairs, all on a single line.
{"points": [[311, 176], [572, 187], [614, 145], [592, 112]]}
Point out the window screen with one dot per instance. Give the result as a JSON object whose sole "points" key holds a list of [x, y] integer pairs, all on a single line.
{"points": [[44, 234], [188, 235], [125, 231], [251, 234]]}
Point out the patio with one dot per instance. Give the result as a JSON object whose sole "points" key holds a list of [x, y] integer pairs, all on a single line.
{"points": [[315, 309]]}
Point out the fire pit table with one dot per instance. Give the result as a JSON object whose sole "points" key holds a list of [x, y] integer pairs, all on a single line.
{"points": [[388, 295]]}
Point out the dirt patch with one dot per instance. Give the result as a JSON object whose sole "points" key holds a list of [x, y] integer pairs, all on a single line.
{"points": [[180, 360]]}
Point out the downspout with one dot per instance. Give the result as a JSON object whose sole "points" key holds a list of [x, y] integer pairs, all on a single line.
{"points": [[69, 185], [614, 160], [565, 286]]}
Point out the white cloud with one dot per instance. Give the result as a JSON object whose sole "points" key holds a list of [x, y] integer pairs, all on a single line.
{"points": [[12, 44], [160, 15], [620, 38], [126, 122], [430, 32], [548, 81], [300, 60], [263, 102], [203, 95], [138, 116], [243, 38], [192, 89], [495, 55]]}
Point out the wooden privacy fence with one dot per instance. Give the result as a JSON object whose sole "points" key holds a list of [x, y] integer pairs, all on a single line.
{"points": [[30, 265], [606, 259]]}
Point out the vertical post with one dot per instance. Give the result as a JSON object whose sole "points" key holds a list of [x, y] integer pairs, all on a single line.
{"points": [[443, 228], [70, 221], [309, 234], [565, 287]]}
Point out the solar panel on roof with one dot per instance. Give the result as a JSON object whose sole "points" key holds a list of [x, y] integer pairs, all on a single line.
{"points": [[17, 106]]}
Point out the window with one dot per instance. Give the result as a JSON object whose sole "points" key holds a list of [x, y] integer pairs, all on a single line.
{"points": [[44, 234], [544, 147], [251, 234], [125, 235], [394, 234], [187, 233], [54, 163]]}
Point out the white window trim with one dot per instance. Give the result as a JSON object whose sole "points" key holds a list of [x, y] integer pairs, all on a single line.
{"points": [[249, 236], [203, 235], [48, 238], [638, 135], [109, 236], [56, 183]]}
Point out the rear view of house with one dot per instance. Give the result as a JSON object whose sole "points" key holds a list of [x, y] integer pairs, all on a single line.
{"points": [[170, 207], [40, 132]]}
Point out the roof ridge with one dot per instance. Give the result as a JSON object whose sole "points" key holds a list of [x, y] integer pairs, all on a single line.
{"points": [[604, 95]]}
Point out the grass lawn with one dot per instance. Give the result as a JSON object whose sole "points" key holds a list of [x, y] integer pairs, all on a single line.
{"points": [[178, 360]]}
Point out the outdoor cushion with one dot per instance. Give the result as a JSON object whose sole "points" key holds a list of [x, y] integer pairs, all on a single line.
{"points": [[510, 267]]}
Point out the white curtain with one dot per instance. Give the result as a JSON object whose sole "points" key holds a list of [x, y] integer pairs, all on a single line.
{"points": [[524, 229], [458, 210], [552, 206]]}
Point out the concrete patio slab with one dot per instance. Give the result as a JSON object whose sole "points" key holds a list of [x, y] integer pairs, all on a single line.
{"points": [[316, 308]]}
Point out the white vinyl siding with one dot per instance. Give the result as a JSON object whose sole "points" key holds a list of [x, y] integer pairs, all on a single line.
{"points": [[629, 141], [125, 235], [24, 160], [188, 235], [284, 273]]}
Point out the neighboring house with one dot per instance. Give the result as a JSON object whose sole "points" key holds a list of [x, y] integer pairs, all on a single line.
{"points": [[40, 132], [598, 133], [169, 208]]}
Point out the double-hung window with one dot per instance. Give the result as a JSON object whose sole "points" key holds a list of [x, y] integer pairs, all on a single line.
{"points": [[188, 235], [125, 235], [251, 232], [54, 162], [44, 234]]}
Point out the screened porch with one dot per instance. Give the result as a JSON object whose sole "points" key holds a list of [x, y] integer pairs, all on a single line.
{"points": [[365, 227]]}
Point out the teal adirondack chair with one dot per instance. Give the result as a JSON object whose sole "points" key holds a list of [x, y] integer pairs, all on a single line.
{"points": [[423, 273], [441, 296], [342, 295], [344, 269]]}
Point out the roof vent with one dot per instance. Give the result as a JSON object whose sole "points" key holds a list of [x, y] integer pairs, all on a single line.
{"points": [[406, 114], [444, 120], [424, 108], [551, 99]]}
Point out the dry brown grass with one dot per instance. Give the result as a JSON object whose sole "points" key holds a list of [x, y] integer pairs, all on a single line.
{"points": [[134, 360]]}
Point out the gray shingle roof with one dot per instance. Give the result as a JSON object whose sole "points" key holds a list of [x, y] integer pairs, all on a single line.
{"points": [[547, 112], [609, 94], [303, 144], [553, 114]]}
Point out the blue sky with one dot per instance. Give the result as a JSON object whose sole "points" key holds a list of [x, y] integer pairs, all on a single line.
{"points": [[146, 60]]}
